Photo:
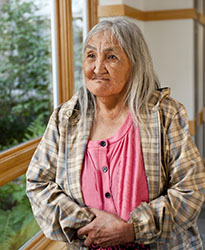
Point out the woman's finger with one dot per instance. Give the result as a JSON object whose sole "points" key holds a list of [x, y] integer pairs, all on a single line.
{"points": [[88, 241], [83, 230]]}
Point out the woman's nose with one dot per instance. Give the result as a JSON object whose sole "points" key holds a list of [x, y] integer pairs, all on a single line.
{"points": [[100, 66]]}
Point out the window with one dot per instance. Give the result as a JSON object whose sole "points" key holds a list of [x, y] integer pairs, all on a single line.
{"points": [[84, 17], [26, 104], [77, 13], [25, 70]]}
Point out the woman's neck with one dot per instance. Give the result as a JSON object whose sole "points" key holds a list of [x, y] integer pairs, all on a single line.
{"points": [[108, 119], [110, 109]]}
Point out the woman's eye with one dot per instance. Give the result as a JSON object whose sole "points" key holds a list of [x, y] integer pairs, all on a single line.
{"points": [[112, 57], [91, 55]]}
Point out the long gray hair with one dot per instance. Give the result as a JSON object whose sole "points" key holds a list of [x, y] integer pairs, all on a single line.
{"points": [[143, 79]]}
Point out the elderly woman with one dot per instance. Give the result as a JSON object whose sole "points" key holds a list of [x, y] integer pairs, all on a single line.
{"points": [[117, 167]]}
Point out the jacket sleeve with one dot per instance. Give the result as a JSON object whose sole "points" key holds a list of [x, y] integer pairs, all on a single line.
{"points": [[57, 214], [177, 209]]}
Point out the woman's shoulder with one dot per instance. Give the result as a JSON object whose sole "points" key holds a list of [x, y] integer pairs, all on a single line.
{"points": [[162, 99], [170, 109], [65, 110]]}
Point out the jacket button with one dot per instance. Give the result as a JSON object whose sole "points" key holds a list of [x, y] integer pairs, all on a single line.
{"points": [[69, 113], [105, 169], [103, 143], [107, 195]]}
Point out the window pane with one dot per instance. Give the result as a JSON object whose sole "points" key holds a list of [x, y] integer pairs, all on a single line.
{"points": [[77, 12], [25, 70], [17, 224]]}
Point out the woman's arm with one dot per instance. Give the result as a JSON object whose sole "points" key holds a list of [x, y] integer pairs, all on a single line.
{"points": [[57, 214], [178, 208]]}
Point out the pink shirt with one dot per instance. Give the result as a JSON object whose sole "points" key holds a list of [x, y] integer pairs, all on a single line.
{"points": [[113, 176]]}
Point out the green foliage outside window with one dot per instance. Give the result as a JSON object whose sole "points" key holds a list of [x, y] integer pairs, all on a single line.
{"points": [[17, 224], [25, 72]]}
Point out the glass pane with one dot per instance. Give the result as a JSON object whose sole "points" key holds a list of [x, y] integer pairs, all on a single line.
{"points": [[77, 12], [25, 70], [17, 224]]}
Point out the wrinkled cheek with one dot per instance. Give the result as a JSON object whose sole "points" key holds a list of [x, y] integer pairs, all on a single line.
{"points": [[88, 71], [89, 85]]}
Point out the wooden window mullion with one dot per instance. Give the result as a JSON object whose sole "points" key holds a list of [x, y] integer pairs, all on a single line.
{"points": [[92, 13], [65, 49]]}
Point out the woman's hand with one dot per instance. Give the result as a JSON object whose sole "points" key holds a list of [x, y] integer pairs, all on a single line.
{"points": [[107, 230]]}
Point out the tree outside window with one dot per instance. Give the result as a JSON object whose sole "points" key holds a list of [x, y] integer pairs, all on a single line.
{"points": [[25, 71]]}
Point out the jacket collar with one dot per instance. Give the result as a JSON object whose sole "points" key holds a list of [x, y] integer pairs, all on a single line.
{"points": [[157, 96]]}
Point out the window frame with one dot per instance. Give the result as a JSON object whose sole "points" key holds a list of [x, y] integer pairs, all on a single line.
{"points": [[64, 50], [92, 7], [14, 161]]}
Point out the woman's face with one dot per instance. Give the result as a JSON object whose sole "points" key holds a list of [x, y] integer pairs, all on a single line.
{"points": [[106, 66]]}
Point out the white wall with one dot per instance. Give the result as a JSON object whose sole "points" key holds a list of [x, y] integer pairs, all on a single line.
{"points": [[167, 4], [171, 44], [172, 48], [110, 2], [149, 5]]}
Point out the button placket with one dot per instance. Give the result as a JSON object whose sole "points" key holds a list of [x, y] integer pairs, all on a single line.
{"points": [[104, 168], [105, 175]]}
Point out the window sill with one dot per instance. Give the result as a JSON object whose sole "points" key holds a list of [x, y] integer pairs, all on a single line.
{"points": [[14, 162], [40, 242]]}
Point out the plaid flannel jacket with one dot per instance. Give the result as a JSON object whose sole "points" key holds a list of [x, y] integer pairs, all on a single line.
{"points": [[175, 175]]}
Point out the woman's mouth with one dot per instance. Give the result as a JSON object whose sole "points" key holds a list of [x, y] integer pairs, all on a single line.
{"points": [[100, 78]]}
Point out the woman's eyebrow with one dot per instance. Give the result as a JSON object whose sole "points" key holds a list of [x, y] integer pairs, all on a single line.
{"points": [[106, 49], [110, 49], [90, 47]]}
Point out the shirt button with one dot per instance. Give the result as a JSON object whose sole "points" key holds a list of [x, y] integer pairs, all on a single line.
{"points": [[107, 195], [103, 143], [105, 169]]}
